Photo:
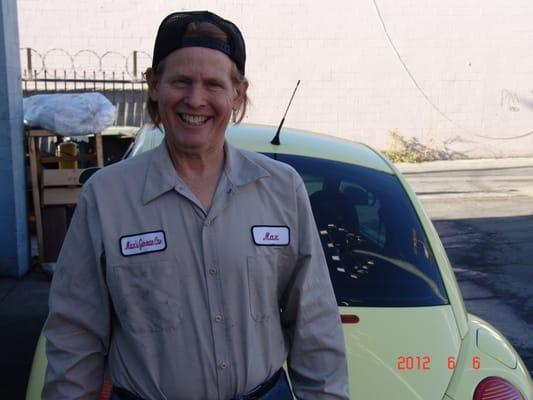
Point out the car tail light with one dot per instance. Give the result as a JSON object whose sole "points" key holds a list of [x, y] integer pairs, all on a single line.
{"points": [[494, 388]]}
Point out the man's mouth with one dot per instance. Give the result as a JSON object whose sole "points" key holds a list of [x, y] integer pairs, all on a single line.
{"points": [[196, 120]]}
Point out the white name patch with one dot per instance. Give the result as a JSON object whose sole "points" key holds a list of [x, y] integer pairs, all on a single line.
{"points": [[265, 235], [141, 243]]}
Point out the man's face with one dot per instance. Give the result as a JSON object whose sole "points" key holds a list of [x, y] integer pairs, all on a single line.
{"points": [[195, 96]]}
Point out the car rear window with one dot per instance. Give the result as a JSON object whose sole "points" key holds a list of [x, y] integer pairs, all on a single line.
{"points": [[377, 252]]}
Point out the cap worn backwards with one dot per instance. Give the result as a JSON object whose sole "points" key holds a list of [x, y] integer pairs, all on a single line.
{"points": [[170, 37]]}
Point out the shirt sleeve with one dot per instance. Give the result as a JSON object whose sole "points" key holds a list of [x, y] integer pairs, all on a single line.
{"points": [[317, 360], [77, 327]]}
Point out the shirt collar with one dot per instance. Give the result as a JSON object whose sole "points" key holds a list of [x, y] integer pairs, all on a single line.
{"points": [[239, 169], [161, 176]]}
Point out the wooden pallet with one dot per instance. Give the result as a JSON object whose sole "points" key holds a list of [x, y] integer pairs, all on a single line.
{"points": [[54, 190]]}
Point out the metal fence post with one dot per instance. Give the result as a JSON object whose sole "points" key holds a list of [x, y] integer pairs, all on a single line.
{"points": [[135, 63], [28, 61]]}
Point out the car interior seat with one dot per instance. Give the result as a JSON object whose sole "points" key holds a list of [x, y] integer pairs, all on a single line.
{"points": [[333, 208]]}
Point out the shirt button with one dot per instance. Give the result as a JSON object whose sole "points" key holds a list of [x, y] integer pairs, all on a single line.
{"points": [[212, 271], [219, 318], [223, 365]]}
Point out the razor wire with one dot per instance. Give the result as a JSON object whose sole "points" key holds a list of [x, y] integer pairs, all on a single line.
{"points": [[36, 64]]}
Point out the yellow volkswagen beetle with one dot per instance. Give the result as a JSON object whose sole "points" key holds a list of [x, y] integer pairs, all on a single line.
{"points": [[408, 335]]}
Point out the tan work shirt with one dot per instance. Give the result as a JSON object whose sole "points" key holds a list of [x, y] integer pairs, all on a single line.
{"points": [[184, 304]]}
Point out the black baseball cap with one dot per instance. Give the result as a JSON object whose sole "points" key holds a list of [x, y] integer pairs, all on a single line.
{"points": [[170, 37]]}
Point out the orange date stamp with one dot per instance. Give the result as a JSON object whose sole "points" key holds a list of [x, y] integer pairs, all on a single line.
{"points": [[423, 363]]}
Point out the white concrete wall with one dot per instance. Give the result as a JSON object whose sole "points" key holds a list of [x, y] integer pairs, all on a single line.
{"points": [[470, 62]]}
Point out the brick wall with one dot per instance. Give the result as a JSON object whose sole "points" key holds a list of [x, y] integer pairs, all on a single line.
{"points": [[464, 73]]}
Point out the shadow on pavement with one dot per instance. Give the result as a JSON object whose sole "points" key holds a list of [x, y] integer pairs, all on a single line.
{"points": [[23, 310]]}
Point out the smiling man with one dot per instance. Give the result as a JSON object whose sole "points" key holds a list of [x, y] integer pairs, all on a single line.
{"points": [[194, 271]]}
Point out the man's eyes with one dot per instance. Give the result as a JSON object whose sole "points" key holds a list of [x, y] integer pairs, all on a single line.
{"points": [[180, 82], [215, 84], [183, 82]]}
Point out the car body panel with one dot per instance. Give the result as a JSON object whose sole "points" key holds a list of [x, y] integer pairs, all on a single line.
{"points": [[489, 343], [38, 371], [391, 355], [466, 376]]}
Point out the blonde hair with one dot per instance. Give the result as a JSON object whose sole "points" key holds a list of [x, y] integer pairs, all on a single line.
{"points": [[199, 30]]}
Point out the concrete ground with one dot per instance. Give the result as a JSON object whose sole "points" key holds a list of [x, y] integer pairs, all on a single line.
{"points": [[483, 210]]}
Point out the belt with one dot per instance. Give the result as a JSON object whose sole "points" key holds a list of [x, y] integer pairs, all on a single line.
{"points": [[264, 387], [123, 394], [255, 394]]}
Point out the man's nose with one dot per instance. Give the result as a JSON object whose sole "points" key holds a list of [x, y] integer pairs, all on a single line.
{"points": [[195, 96]]}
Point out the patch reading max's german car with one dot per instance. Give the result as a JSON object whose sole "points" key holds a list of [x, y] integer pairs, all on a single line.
{"points": [[265, 235], [142, 243]]}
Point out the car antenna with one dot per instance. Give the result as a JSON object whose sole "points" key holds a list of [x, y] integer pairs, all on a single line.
{"points": [[275, 140]]}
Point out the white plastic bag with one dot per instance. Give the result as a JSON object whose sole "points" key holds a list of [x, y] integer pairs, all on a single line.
{"points": [[69, 114]]}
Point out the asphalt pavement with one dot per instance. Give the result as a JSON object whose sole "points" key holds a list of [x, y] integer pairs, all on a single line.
{"points": [[482, 209]]}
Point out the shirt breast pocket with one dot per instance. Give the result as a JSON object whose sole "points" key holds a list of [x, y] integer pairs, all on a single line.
{"points": [[263, 286], [146, 296]]}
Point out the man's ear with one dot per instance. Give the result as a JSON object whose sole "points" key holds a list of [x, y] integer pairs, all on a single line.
{"points": [[240, 92], [152, 84]]}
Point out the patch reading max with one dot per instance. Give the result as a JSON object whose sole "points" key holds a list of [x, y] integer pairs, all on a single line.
{"points": [[265, 235], [142, 243]]}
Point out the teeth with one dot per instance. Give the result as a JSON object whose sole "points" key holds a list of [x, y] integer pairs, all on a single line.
{"points": [[194, 119]]}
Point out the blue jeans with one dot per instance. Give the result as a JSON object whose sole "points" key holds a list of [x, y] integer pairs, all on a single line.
{"points": [[280, 391]]}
